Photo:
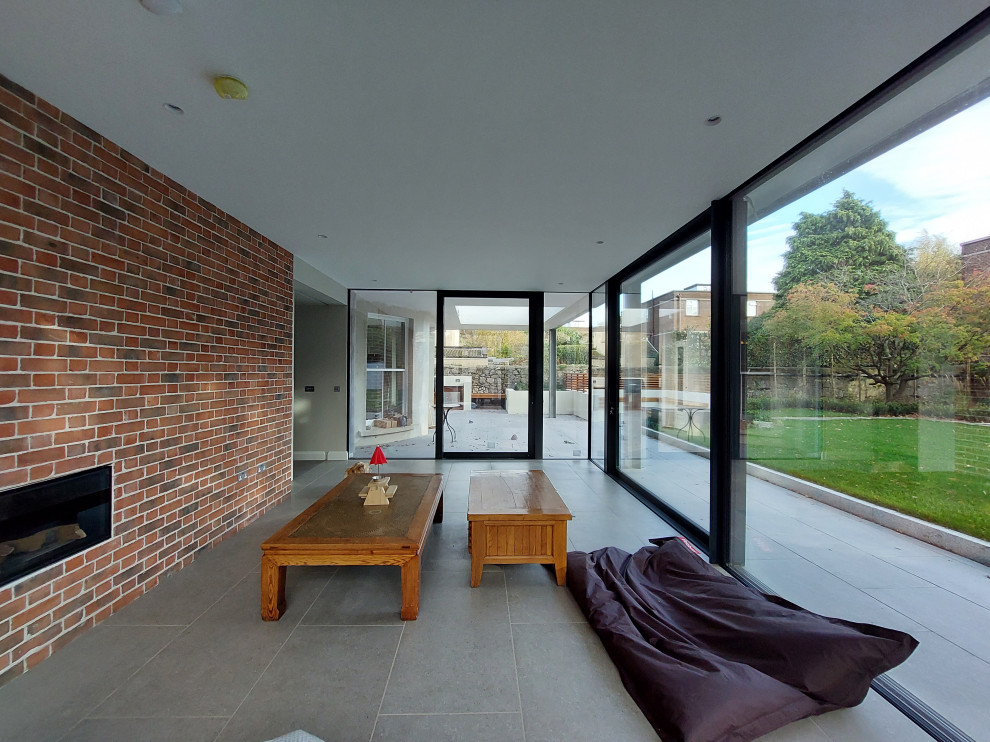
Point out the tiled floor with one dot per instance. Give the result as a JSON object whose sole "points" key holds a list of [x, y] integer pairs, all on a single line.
{"points": [[511, 660]]}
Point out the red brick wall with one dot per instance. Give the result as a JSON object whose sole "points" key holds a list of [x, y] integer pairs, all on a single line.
{"points": [[142, 327]]}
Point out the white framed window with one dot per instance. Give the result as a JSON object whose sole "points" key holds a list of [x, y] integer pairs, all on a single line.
{"points": [[386, 367]]}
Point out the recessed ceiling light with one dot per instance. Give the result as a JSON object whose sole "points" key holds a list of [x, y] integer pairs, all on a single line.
{"points": [[600, 242], [172, 108], [322, 236], [713, 121], [560, 283]]}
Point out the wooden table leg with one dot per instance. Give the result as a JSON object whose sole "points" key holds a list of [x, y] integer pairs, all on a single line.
{"points": [[438, 517], [479, 546], [272, 589], [410, 590], [560, 551]]}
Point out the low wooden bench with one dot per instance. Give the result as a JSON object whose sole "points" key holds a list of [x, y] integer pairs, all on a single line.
{"points": [[516, 517], [494, 396]]}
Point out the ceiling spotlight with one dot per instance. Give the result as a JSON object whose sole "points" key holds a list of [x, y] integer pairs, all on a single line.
{"points": [[322, 236], [230, 88], [172, 108], [163, 7], [713, 121], [600, 242]]}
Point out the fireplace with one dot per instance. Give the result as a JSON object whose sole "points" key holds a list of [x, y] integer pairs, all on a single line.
{"points": [[46, 522]]}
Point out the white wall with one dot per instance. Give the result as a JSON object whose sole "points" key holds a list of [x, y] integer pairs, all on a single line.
{"points": [[320, 352]]}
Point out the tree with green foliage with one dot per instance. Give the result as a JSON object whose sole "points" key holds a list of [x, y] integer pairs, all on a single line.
{"points": [[850, 246], [890, 347], [969, 306], [935, 264]]}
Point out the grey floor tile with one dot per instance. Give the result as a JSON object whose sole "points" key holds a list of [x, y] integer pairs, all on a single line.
{"points": [[458, 656], [447, 547], [951, 681], [570, 690], [326, 680], [813, 588], [535, 596], [595, 532], [202, 729], [945, 613], [455, 504], [447, 598], [860, 533], [963, 577], [804, 730], [358, 595], [760, 546], [449, 728], [46, 702], [863, 570], [211, 666], [874, 720], [180, 598]]}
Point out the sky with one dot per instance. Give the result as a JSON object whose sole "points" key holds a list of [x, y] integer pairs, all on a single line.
{"points": [[938, 182]]}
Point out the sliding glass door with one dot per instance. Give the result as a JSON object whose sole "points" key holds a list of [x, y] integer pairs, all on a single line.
{"points": [[488, 395]]}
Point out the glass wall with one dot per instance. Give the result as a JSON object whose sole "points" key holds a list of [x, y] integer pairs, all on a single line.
{"points": [[486, 375], [665, 314], [866, 378], [566, 331], [599, 325], [393, 357]]}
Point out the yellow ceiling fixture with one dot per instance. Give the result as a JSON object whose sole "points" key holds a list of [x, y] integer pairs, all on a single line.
{"points": [[230, 87]]}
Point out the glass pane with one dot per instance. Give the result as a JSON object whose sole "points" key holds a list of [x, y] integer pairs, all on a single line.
{"points": [[598, 348], [866, 384], [665, 379], [565, 412], [486, 375], [393, 361]]}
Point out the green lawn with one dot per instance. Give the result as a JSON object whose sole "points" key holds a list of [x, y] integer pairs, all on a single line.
{"points": [[911, 465]]}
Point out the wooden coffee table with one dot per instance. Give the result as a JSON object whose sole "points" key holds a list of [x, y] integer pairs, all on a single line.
{"points": [[338, 530], [516, 517]]}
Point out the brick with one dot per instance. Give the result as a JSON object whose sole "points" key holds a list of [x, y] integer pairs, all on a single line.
{"points": [[44, 303], [42, 425], [43, 364], [14, 348], [13, 445], [44, 334], [43, 456]]}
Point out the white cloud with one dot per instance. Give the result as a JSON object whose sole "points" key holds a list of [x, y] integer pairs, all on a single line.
{"points": [[938, 182], [945, 172]]}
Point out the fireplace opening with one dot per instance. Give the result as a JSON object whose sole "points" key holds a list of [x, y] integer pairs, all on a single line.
{"points": [[46, 522]]}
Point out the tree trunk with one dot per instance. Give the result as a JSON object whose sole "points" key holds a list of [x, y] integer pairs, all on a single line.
{"points": [[902, 386]]}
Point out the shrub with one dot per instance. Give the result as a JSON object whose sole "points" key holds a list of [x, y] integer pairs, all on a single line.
{"points": [[850, 406], [894, 409]]}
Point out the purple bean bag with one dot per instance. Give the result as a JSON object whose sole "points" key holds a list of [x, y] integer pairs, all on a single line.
{"points": [[707, 658]]}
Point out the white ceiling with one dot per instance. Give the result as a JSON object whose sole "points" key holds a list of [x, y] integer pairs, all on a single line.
{"points": [[465, 144]]}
